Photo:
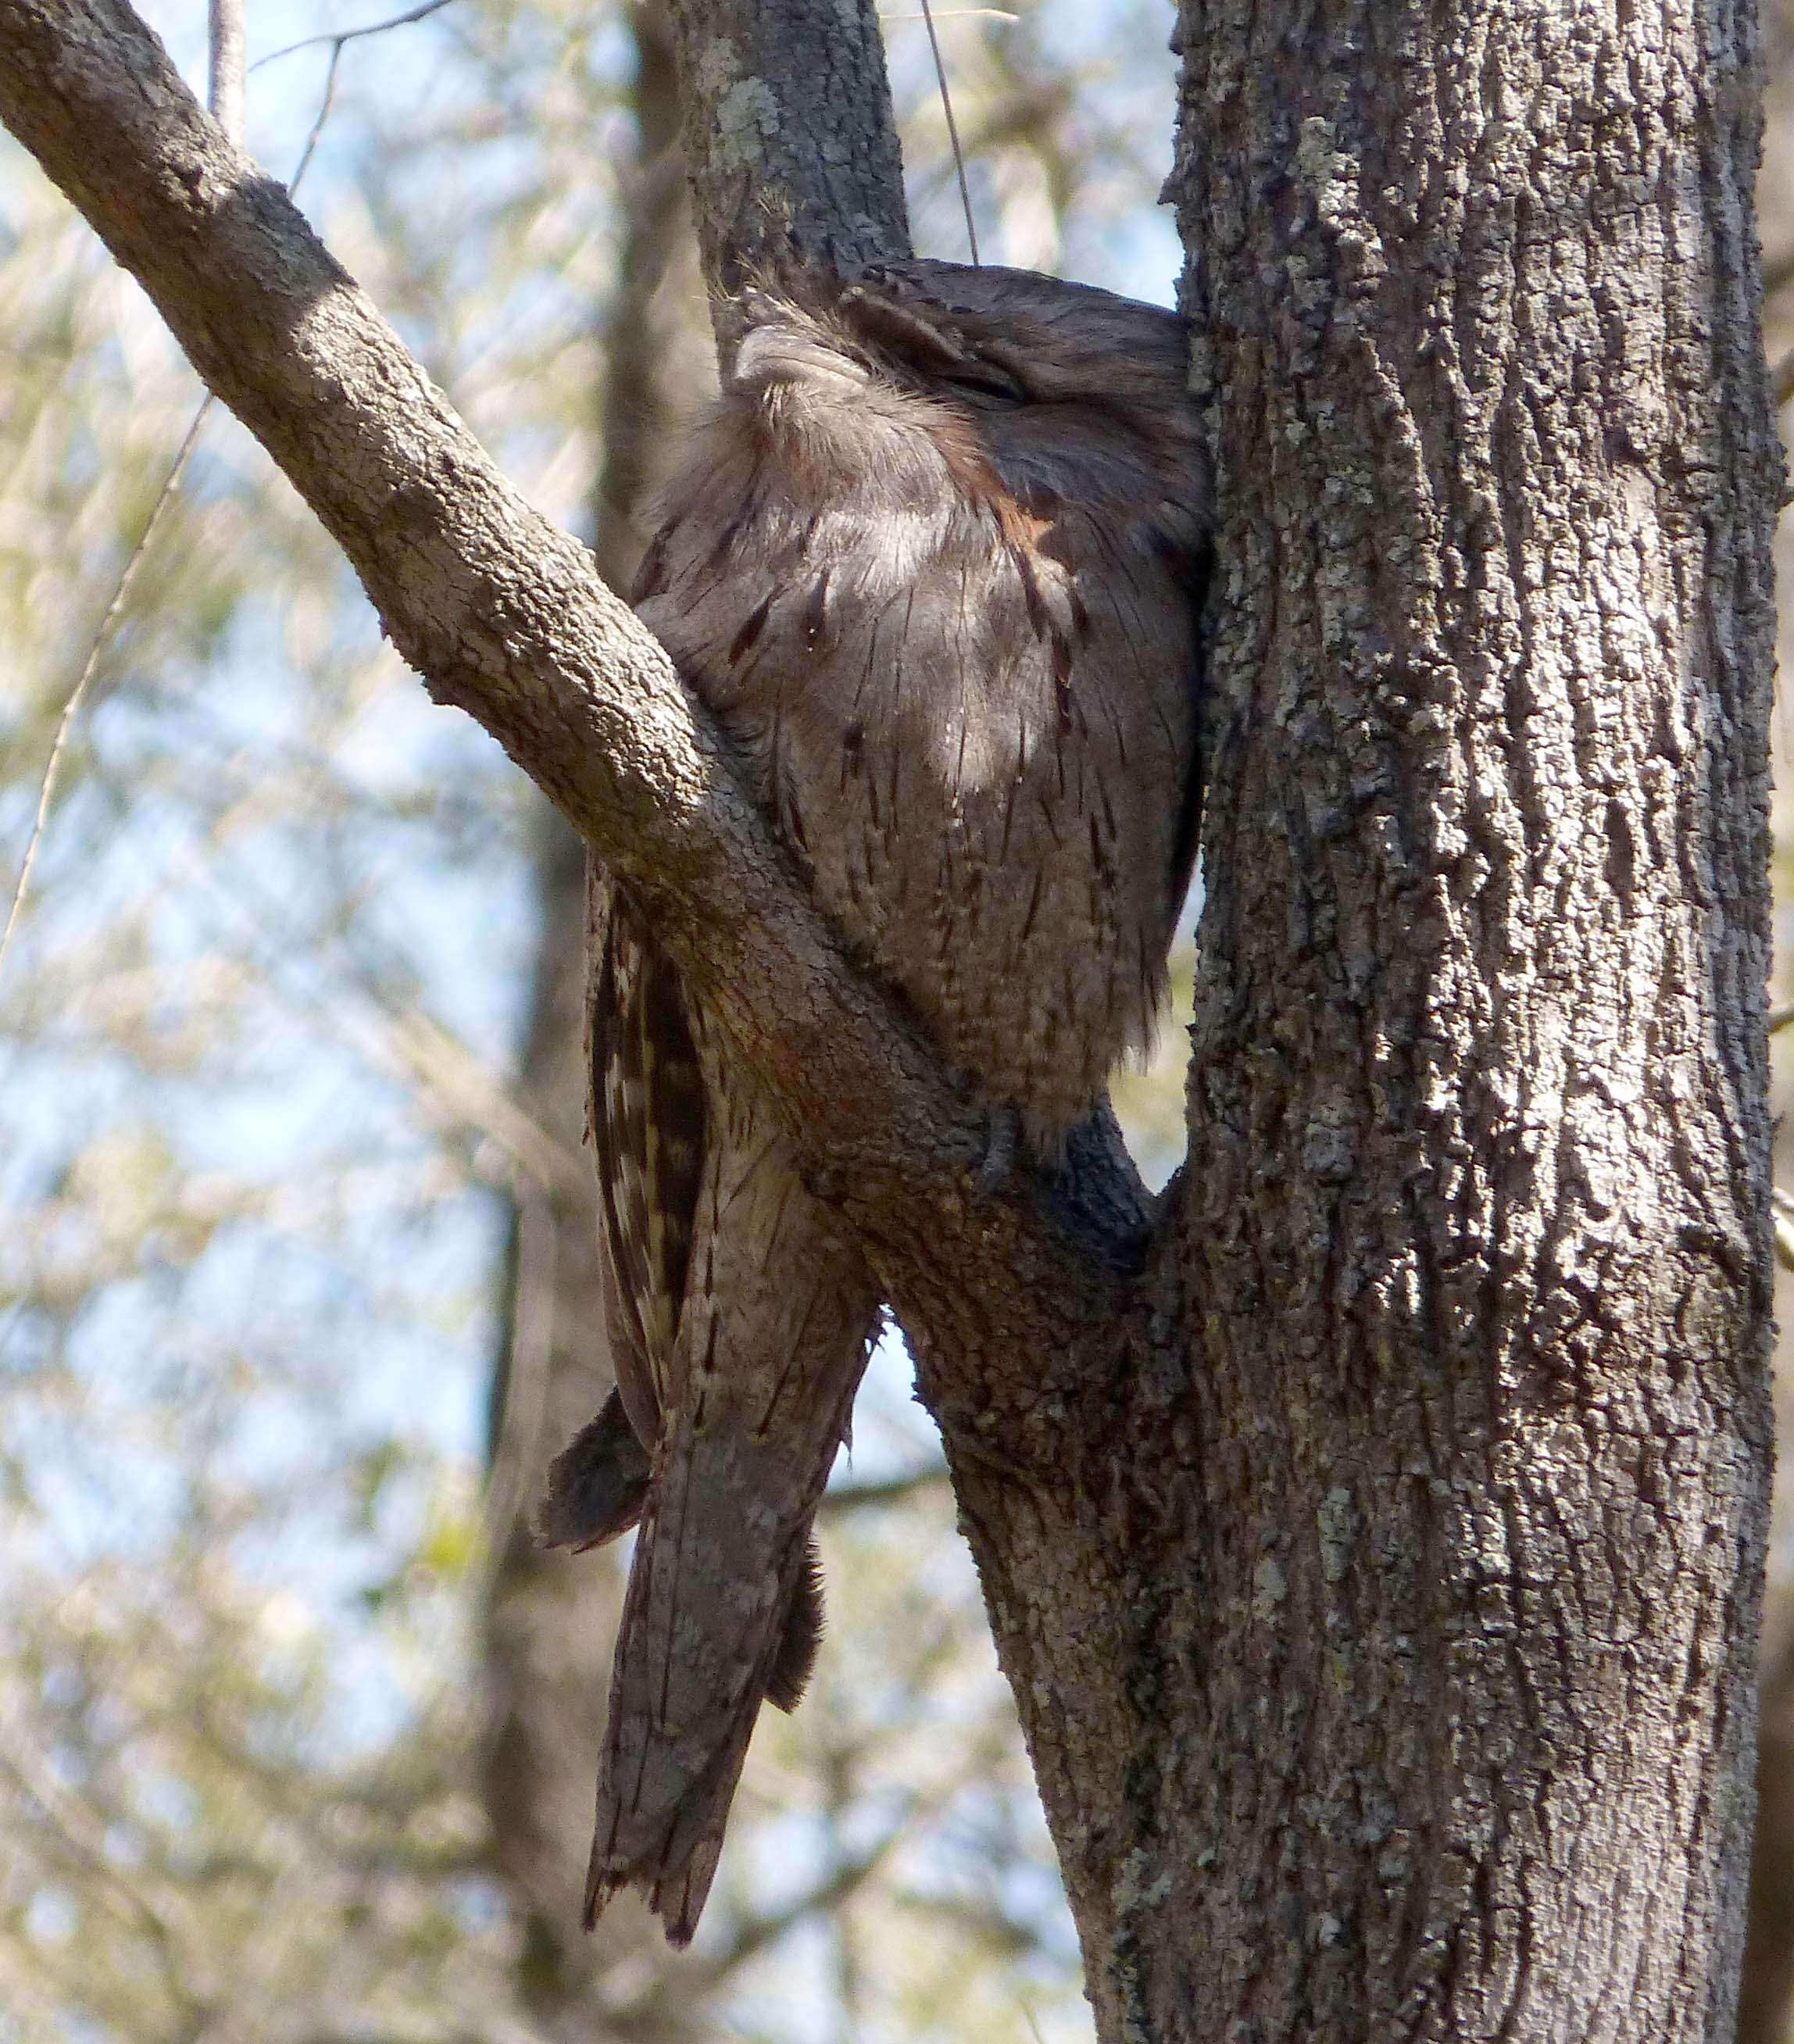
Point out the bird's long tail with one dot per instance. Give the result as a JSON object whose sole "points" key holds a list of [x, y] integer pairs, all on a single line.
{"points": [[723, 1607]]}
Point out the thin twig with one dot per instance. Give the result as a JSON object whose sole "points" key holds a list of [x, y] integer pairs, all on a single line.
{"points": [[80, 1832], [756, 1933], [1780, 1017], [409, 1045], [952, 131], [526, 1369], [326, 101], [107, 629], [353, 35], [893, 1490], [96, 651], [225, 94]]}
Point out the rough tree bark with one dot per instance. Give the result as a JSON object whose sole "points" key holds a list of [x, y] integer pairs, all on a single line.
{"points": [[1474, 1221], [1375, 1562]]}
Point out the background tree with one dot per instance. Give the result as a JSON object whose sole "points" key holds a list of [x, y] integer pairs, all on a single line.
{"points": [[1386, 1717]]}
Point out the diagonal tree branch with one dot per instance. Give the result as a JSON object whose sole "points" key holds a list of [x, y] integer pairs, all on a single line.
{"points": [[1007, 1297]]}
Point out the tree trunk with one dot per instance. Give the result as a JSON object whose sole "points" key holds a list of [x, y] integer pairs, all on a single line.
{"points": [[1452, 1546]]}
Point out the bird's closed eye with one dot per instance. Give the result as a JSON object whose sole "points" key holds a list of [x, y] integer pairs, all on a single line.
{"points": [[917, 339]]}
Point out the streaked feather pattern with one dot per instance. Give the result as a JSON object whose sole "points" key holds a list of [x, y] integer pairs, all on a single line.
{"points": [[934, 559]]}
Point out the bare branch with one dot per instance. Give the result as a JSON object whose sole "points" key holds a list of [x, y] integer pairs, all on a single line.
{"points": [[81, 1834], [228, 36], [97, 647], [107, 627], [847, 1497], [420, 12]]}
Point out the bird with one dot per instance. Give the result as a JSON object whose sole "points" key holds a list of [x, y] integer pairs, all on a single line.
{"points": [[935, 562]]}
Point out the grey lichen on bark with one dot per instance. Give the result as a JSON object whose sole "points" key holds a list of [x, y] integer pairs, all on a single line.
{"points": [[789, 134]]}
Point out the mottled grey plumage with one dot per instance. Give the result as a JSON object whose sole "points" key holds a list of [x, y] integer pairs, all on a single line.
{"points": [[933, 559]]}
